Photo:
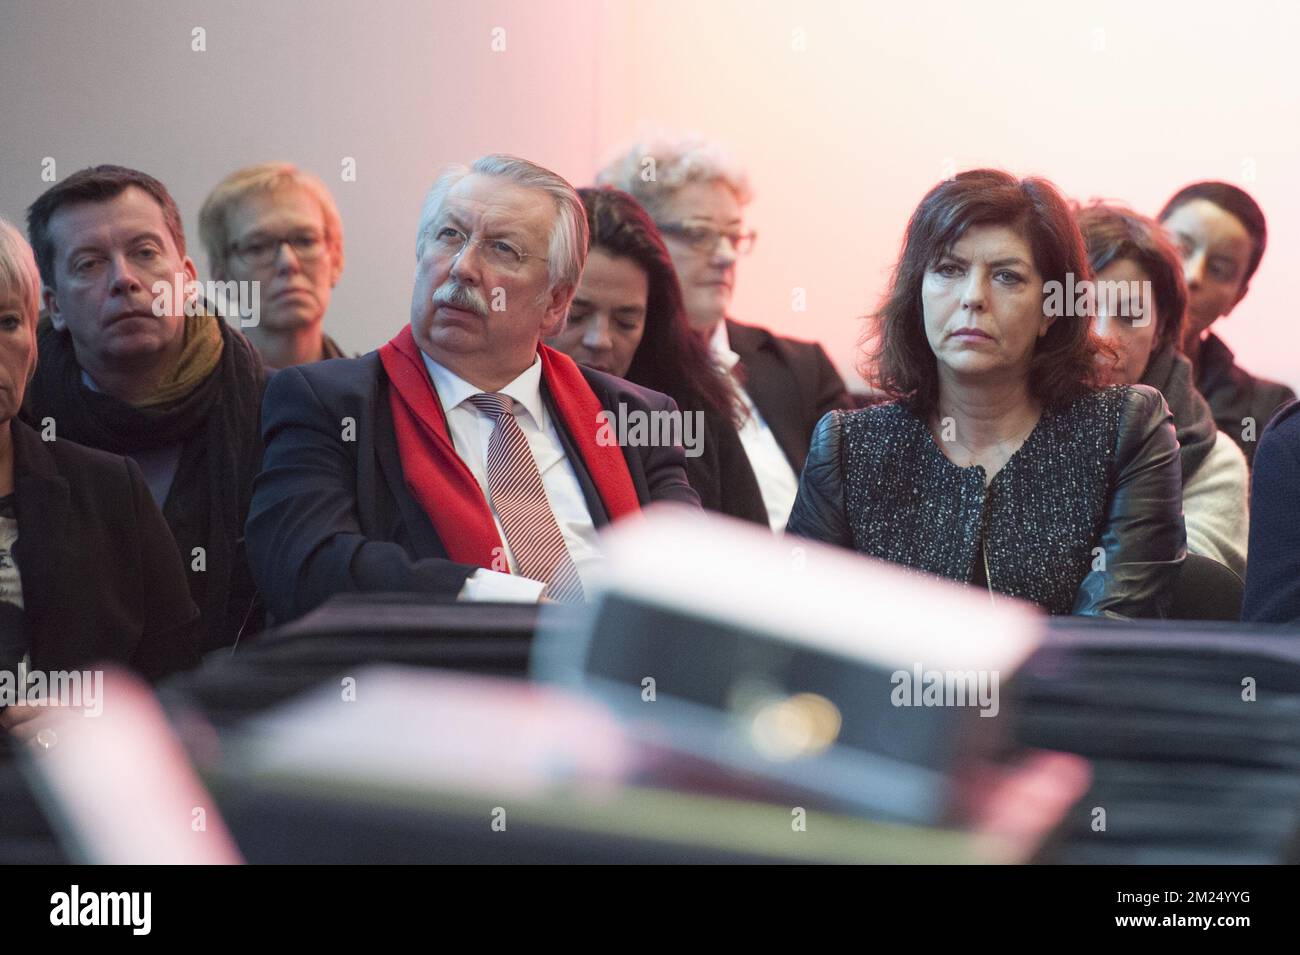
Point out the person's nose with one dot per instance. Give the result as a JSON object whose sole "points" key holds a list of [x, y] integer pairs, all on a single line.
{"points": [[465, 264], [1194, 269], [122, 277], [596, 338], [286, 260], [1103, 324], [973, 295], [724, 254]]}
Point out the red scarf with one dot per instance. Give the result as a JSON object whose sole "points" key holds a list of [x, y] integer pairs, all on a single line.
{"points": [[444, 486]]}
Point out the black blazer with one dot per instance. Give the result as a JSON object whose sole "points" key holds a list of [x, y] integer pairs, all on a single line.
{"points": [[102, 578], [1234, 394], [793, 384], [722, 476], [331, 515], [1273, 568]]}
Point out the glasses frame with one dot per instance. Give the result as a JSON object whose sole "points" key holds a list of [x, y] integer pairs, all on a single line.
{"points": [[742, 243], [277, 242], [479, 240]]}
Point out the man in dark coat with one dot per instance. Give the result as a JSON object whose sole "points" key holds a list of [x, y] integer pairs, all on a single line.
{"points": [[463, 459]]}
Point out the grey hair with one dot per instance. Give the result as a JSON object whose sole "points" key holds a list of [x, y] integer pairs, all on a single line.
{"points": [[567, 251], [657, 166]]}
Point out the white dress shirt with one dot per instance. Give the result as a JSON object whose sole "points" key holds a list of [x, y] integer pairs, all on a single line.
{"points": [[777, 481], [471, 430]]}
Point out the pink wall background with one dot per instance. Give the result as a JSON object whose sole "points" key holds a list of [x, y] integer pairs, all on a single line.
{"points": [[843, 126]]}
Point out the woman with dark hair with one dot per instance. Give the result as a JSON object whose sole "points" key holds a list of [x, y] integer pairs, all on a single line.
{"points": [[1221, 233], [997, 459], [1140, 303], [628, 319]]}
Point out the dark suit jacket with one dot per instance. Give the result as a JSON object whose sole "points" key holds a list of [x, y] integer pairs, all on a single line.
{"points": [[331, 515], [793, 384], [1234, 394], [102, 578], [1273, 567], [722, 476]]}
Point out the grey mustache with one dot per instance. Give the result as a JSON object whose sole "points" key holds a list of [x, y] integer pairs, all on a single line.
{"points": [[459, 296]]}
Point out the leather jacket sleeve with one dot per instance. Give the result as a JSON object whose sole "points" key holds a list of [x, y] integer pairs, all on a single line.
{"points": [[818, 512], [1142, 534]]}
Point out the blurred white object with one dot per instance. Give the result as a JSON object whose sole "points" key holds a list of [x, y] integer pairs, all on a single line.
{"points": [[119, 786]]}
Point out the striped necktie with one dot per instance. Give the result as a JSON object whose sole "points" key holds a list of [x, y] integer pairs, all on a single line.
{"points": [[519, 501]]}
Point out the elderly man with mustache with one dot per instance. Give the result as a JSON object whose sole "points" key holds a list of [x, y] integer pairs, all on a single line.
{"points": [[464, 458]]}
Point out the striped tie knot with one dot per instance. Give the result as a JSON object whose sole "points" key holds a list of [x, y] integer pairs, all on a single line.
{"points": [[494, 404]]}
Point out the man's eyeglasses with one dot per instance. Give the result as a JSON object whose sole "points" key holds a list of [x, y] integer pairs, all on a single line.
{"points": [[703, 238], [499, 253], [261, 251]]}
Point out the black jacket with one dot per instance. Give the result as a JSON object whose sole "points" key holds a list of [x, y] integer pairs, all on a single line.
{"points": [[331, 515], [792, 383], [722, 476], [1273, 571], [101, 576], [1236, 396], [1101, 472]]}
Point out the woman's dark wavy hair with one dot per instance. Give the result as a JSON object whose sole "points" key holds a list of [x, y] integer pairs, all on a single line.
{"points": [[671, 357], [1113, 233], [898, 359]]}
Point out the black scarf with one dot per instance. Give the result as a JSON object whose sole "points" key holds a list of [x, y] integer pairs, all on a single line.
{"points": [[217, 426], [1170, 373]]}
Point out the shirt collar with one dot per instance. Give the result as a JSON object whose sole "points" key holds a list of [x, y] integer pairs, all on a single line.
{"points": [[720, 345], [453, 390]]}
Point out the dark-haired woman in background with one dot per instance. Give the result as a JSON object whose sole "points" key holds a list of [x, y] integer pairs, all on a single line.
{"points": [[627, 319], [999, 461], [1125, 248], [1221, 233]]}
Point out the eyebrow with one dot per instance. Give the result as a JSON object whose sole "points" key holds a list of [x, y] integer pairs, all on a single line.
{"points": [[505, 233], [707, 221], [996, 263], [92, 247]]}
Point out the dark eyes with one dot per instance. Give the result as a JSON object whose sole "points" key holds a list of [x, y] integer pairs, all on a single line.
{"points": [[10, 322], [950, 270]]}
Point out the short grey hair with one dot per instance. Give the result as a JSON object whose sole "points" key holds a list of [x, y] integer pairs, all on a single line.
{"points": [[656, 167], [567, 251]]}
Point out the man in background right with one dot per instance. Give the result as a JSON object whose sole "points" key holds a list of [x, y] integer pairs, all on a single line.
{"points": [[1221, 233]]}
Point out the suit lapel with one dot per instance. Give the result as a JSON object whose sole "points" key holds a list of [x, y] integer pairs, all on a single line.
{"points": [[772, 387]]}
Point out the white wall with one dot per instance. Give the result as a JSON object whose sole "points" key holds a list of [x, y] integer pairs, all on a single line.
{"points": [[1116, 100]]}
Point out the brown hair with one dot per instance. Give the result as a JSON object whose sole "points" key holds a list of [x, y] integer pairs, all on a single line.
{"points": [[898, 358], [94, 184], [670, 358], [1113, 234]]}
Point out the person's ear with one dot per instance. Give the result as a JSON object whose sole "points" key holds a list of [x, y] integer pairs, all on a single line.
{"points": [[557, 308], [50, 299]]}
